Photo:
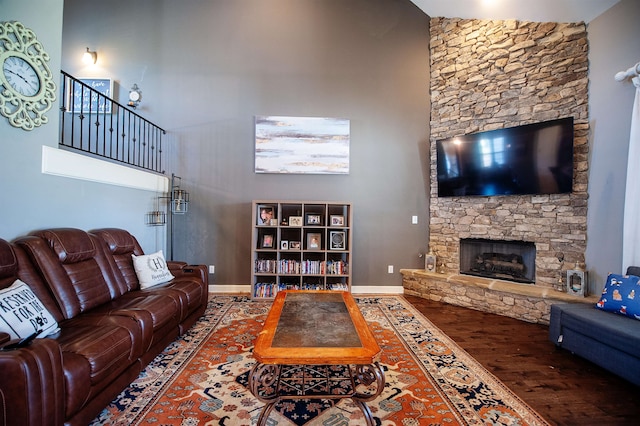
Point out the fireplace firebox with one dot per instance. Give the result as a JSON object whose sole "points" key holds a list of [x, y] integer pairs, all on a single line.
{"points": [[508, 260]]}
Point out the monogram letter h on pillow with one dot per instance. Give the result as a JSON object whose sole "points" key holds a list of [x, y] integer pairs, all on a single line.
{"points": [[151, 269]]}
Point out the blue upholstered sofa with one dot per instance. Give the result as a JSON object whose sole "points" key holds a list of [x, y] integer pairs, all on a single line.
{"points": [[608, 339]]}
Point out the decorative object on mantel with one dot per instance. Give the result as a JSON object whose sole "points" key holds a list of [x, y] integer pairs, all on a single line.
{"points": [[631, 220], [27, 89], [430, 261], [577, 282]]}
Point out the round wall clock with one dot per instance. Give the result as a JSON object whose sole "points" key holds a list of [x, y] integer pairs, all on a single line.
{"points": [[27, 89]]}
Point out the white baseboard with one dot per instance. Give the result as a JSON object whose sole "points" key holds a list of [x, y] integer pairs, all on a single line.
{"points": [[388, 289], [237, 288], [360, 289]]}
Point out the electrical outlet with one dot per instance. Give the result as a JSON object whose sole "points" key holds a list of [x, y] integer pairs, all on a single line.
{"points": [[390, 269], [212, 269], [414, 220]]}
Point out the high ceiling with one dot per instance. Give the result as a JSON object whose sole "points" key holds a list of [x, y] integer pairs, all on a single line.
{"points": [[522, 10]]}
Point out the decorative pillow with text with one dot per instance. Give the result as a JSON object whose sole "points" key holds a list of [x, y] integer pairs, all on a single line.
{"points": [[621, 295], [22, 313], [151, 269]]}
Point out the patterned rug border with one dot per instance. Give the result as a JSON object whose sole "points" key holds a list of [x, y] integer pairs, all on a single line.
{"points": [[159, 375]]}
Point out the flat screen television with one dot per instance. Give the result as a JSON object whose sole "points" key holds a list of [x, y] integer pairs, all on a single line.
{"points": [[529, 159]]}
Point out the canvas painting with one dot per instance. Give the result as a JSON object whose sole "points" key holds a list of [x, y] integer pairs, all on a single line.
{"points": [[302, 145]]}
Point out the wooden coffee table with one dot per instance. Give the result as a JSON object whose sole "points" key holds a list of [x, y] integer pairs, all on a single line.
{"points": [[315, 344]]}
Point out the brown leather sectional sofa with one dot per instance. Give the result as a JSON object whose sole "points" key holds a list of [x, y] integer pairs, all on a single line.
{"points": [[109, 328]]}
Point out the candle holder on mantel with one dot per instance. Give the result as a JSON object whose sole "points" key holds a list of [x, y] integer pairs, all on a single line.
{"points": [[430, 261], [577, 281]]}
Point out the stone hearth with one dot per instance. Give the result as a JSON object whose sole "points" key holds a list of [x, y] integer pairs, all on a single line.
{"points": [[528, 303]]}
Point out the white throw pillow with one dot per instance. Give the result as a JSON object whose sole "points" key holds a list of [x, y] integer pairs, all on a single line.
{"points": [[22, 313], [151, 269]]}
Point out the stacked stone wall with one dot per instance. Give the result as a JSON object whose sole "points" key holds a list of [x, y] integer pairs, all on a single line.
{"points": [[488, 75]]}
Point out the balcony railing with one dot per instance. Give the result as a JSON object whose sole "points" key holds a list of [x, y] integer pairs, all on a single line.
{"points": [[93, 123]]}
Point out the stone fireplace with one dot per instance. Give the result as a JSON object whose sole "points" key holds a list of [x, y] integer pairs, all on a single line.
{"points": [[509, 260], [493, 74], [488, 75]]}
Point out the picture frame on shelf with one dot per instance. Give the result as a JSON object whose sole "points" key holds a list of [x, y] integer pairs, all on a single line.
{"points": [[284, 245], [267, 241], [336, 220], [294, 245], [265, 215], [295, 220], [313, 219], [337, 240], [314, 241]]}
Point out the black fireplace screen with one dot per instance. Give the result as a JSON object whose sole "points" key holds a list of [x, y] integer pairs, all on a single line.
{"points": [[508, 260]]}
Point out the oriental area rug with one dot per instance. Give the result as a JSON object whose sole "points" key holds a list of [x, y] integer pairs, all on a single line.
{"points": [[202, 378]]}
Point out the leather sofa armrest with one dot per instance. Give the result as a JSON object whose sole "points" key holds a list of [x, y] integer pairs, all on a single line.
{"points": [[179, 269], [176, 264], [32, 384], [4, 337]]}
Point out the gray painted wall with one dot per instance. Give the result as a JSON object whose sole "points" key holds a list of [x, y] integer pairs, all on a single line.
{"points": [[614, 45], [207, 68], [32, 200], [231, 60]]}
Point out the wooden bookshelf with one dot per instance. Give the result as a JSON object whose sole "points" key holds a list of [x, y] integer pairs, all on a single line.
{"points": [[302, 245]]}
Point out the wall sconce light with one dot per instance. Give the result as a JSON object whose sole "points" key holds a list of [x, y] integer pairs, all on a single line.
{"points": [[135, 96], [90, 57]]}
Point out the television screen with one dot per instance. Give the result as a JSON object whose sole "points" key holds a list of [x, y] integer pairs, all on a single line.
{"points": [[529, 159]]}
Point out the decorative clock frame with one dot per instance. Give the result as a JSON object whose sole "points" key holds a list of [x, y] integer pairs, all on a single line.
{"points": [[22, 56]]}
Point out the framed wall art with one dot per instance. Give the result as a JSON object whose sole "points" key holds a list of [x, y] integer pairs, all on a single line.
{"points": [[83, 100], [302, 145]]}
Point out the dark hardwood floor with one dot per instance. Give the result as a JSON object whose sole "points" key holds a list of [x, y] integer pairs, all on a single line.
{"points": [[563, 388]]}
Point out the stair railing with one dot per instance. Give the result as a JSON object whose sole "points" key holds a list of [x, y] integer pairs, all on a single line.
{"points": [[94, 124]]}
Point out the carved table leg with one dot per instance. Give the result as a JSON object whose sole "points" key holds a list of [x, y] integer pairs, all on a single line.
{"points": [[263, 384], [367, 375]]}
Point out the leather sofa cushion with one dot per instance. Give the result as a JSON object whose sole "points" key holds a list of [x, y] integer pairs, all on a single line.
{"points": [[70, 245], [119, 241], [93, 356]]}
